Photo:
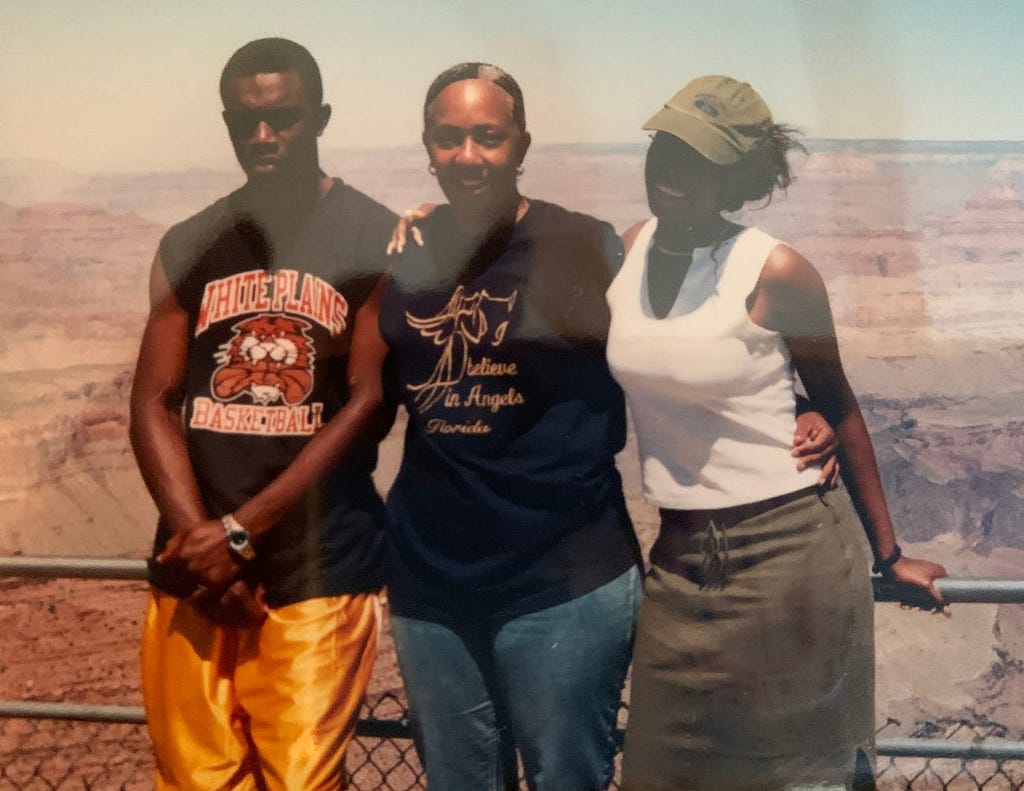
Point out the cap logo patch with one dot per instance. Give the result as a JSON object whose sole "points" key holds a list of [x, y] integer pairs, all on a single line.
{"points": [[707, 105]]}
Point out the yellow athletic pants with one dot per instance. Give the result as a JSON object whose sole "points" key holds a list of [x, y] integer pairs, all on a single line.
{"points": [[270, 707]]}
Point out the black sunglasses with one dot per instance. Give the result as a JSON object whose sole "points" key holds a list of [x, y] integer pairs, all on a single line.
{"points": [[243, 122]]}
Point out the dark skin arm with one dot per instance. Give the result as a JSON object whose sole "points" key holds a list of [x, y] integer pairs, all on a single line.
{"points": [[790, 298], [156, 432], [158, 439], [201, 549]]}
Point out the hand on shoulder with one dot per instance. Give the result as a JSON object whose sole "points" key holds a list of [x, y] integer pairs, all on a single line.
{"points": [[629, 237], [408, 225]]}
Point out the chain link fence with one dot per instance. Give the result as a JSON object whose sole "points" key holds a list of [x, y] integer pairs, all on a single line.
{"points": [[50, 754], [56, 755], [388, 764], [61, 755], [949, 774]]}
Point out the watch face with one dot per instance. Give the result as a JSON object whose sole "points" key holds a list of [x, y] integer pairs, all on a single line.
{"points": [[238, 540]]}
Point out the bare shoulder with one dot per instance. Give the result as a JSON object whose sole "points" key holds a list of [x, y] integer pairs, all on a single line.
{"points": [[631, 234], [791, 296], [159, 284], [786, 269], [785, 263]]}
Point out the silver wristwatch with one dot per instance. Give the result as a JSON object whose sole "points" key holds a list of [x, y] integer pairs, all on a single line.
{"points": [[237, 537]]}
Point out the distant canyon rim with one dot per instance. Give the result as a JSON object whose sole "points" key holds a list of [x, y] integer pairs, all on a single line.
{"points": [[920, 246]]}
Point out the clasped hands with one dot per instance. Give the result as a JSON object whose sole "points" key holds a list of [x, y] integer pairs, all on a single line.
{"points": [[201, 552]]}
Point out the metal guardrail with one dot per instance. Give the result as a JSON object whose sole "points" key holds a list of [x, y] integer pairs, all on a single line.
{"points": [[954, 590], [135, 715], [990, 749], [50, 567], [79, 712]]}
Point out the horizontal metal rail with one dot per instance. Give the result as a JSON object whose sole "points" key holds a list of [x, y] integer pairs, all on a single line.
{"points": [[954, 590], [53, 567], [134, 715], [990, 749], [81, 712]]}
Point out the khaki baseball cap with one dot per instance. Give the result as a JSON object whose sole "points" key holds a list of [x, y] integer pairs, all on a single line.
{"points": [[720, 117]]}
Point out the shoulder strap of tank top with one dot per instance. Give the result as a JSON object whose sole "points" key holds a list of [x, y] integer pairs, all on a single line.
{"points": [[746, 258]]}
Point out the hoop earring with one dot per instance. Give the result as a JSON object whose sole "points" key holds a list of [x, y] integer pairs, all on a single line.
{"points": [[431, 169]]}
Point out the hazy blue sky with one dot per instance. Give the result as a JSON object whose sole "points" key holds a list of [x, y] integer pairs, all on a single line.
{"points": [[129, 85]]}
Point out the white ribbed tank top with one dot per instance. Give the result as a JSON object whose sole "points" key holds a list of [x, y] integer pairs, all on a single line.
{"points": [[710, 392]]}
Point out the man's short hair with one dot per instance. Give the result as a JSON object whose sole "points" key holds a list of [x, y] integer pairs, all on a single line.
{"points": [[274, 55]]}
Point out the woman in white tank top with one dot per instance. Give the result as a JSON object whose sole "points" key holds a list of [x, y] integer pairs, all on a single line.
{"points": [[754, 660]]}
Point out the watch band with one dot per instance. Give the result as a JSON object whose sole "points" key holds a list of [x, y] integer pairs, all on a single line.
{"points": [[884, 565], [238, 538]]}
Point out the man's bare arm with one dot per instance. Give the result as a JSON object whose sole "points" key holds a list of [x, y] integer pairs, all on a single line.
{"points": [[158, 439], [366, 398], [156, 431]]}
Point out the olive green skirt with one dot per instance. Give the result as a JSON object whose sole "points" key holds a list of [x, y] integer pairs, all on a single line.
{"points": [[754, 661]]}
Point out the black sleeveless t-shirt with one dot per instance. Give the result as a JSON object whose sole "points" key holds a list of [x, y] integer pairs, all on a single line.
{"points": [[270, 325]]}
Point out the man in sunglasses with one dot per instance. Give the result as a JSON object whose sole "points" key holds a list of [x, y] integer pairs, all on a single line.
{"points": [[260, 631]]}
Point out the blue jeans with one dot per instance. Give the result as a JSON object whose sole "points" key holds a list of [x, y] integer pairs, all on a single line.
{"points": [[547, 682]]}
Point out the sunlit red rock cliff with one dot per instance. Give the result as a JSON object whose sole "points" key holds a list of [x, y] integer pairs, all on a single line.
{"points": [[920, 245]]}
